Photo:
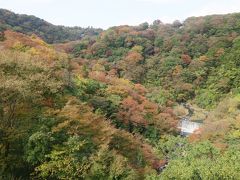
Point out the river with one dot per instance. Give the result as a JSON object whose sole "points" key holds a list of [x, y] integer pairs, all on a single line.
{"points": [[187, 126]]}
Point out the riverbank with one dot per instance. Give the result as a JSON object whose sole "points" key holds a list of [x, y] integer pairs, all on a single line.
{"points": [[190, 111]]}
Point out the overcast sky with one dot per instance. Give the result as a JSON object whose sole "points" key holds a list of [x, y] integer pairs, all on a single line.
{"points": [[106, 13]]}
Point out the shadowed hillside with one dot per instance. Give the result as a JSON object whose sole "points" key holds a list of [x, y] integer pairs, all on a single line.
{"points": [[48, 32]]}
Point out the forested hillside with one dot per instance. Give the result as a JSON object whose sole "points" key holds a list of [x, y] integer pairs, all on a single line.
{"points": [[48, 32], [108, 106]]}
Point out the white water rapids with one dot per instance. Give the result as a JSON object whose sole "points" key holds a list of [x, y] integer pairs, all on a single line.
{"points": [[187, 126]]}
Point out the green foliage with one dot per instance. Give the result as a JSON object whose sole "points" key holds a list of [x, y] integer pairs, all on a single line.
{"points": [[172, 146], [39, 144], [69, 161], [78, 160], [203, 162], [79, 47], [206, 98], [158, 42], [102, 125], [159, 96], [106, 106], [85, 88], [197, 161], [49, 32], [26, 86], [108, 165]]}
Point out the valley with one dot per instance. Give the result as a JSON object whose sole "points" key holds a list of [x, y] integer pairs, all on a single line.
{"points": [[153, 101]]}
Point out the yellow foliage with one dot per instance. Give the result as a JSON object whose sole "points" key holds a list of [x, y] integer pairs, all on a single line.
{"points": [[117, 90], [33, 51], [38, 40], [20, 46], [98, 67], [138, 49], [32, 45], [203, 58]]}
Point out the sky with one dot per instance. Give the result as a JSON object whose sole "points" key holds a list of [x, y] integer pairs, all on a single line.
{"points": [[107, 13]]}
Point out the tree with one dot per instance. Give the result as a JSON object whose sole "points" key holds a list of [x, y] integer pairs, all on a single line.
{"points": [[177, 24], [133, 60], [27, 85], [143, 26]]}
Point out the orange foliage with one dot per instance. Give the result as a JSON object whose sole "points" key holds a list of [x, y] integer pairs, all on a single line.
{"points": [[219, 52], [132, 112], [177, 71], [123, 29], [140, 89], [184, 86], [78, 119], [66, 47], [203, 58], [133, 57], [112, 73], [98, 75], [32, 45], [195, 137]]}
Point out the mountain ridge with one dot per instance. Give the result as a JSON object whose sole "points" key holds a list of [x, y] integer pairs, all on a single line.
{"points": [[30, 24]]}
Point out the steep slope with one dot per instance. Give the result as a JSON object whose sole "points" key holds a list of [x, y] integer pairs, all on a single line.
{"points": [[50, 114]]}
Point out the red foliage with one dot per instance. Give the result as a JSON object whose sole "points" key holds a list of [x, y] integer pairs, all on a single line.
{"points": [[186, 59], [140, 89], [48, 102], [158, 164], [132, 112]]}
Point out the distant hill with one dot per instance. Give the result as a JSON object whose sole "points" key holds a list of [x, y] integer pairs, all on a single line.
{"points": [[48, 32], [185, 59]]}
